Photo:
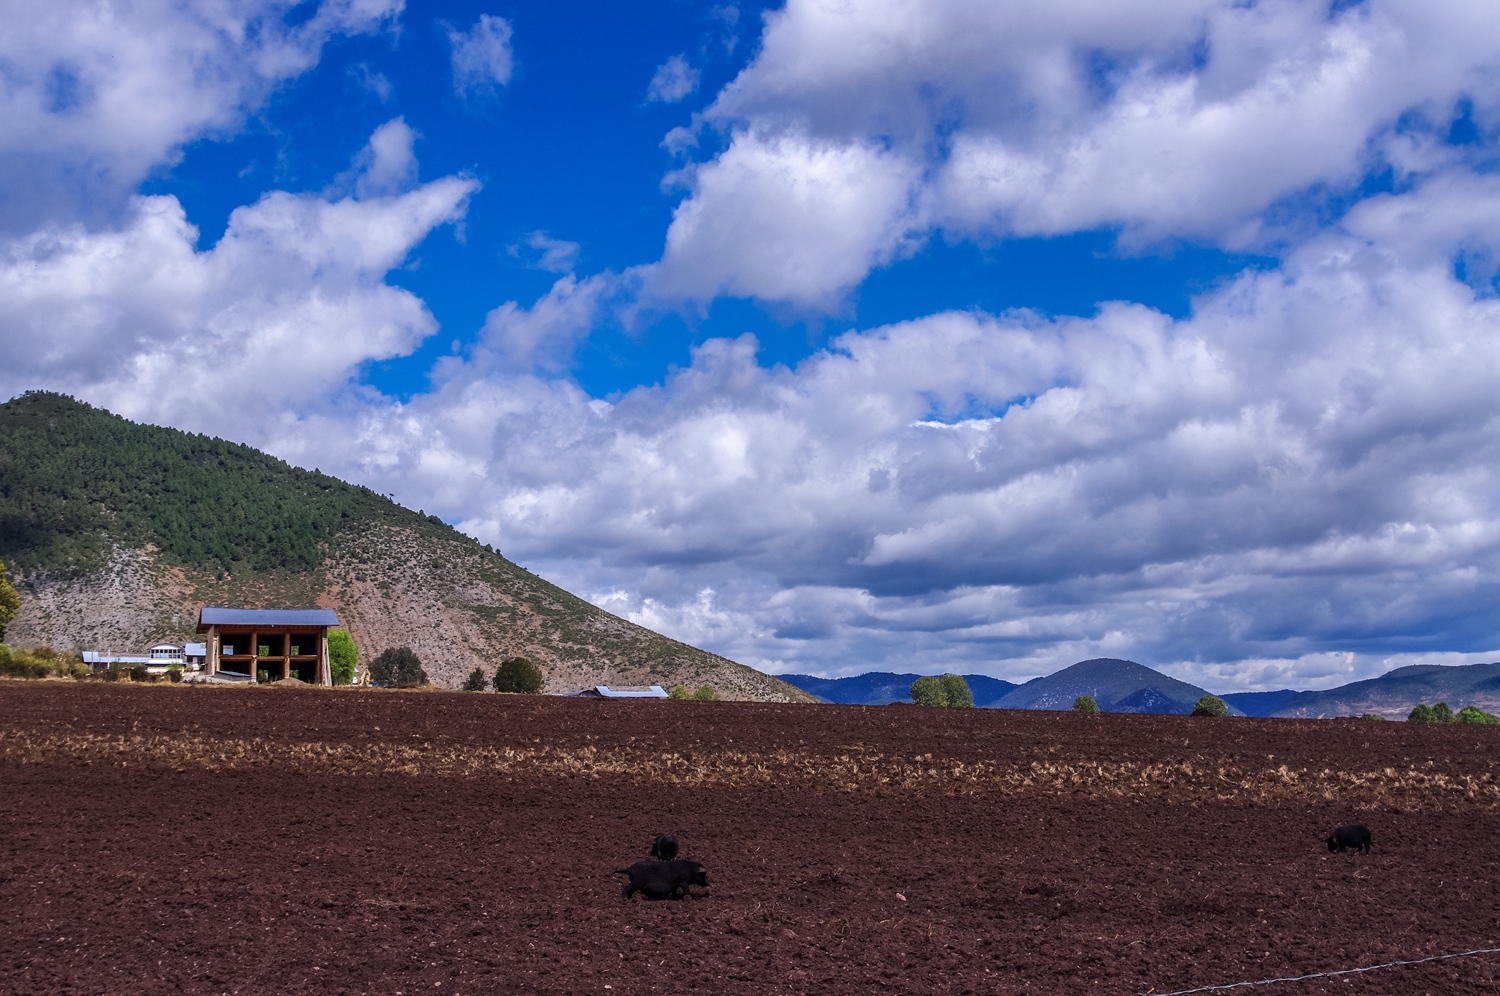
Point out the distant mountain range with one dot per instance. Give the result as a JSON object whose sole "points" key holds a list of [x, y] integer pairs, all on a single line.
{"points": [[1116, 685], [884, 687], [1259, 703], [1125, 686], [1393, 694]]}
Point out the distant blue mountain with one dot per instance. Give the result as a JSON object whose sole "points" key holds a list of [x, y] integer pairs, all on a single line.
{"points": [[1258, 703], [1394, 693], [1116, 685], [987, 691], [885, 687]]}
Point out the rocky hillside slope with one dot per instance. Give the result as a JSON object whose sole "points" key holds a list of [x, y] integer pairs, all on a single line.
{"points": [[116, 533]]}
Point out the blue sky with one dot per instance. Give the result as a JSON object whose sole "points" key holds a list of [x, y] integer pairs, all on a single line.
{"points": [[829, 336]]}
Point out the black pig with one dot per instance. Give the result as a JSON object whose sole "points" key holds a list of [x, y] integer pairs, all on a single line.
{"points": [[1356, 835], [664, 848], [664, 879]]}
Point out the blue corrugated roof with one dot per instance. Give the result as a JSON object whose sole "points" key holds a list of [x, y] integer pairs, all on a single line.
{"points": [[208, 616]]}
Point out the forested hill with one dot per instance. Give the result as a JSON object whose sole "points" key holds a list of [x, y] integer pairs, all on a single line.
{"points": [[117, 532], [76, 481]]}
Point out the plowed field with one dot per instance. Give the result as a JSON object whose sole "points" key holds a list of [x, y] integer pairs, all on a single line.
{"points": [[204, 840]]}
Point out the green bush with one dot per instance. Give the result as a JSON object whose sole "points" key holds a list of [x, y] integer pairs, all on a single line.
{"points": [[1085, 703], [476, 681], [174, 674], [678, 694], [41, 662], [928, 691], [706, 693], [111, 673], [1420, 714], [10, 601], [957, 690], [1210, 705], [1373, 717], [518, 676], [1474, 714], [138, 672], [262, 675], [1441, 713], [398, 667], [343, 656]]}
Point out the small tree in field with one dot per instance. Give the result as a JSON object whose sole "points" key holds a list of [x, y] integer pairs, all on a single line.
{"points": [[678, 694], [475, 682], [1474, 714], [957, 690], [1210, 705], [1441, 713], [343, 656], [928, 691], [398, 667], [1420, 713], [1085, 703], [706, 693], [518, 676]]}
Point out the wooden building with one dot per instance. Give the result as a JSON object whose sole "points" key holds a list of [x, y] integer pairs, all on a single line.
{"points": [[284, 643]]}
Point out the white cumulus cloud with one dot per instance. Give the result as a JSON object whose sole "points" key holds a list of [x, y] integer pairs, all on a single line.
{"points": [[1300, 474], [1197, 119], [482, 56], [96, 94], [672, 81], [139, 319], [788, 218]]}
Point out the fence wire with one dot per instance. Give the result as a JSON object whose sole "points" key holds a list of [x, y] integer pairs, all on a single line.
{"points": [[1324, 975]]}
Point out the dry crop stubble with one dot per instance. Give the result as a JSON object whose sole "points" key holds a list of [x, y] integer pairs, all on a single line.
{"points": [[1200, 780]]}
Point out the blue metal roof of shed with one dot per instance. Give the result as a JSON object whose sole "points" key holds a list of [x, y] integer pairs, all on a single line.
{"points": [[208, 616]]}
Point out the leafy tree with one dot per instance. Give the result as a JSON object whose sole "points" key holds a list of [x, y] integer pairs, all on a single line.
{"points": [[1373, 717], [343, 656], [519, 676], [678, 694], [706, 693], [1420, 714], [928, 691], [957, 690], [1474, 714], [1210, 705], [1441, 713], [10, 601], [398, 667], [1085, 703], [475, 682]]}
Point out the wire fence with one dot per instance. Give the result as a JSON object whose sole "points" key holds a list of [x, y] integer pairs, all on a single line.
{"points": [[1323, 975]]}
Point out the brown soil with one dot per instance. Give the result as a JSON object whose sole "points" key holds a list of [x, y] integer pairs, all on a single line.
{"points": [[207, 840]]}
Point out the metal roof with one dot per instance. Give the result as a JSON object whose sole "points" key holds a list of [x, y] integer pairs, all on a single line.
{"points": [[208, 616], [631, 691]]}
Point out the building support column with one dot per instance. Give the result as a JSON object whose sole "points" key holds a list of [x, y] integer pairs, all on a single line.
{"points": [[325, 667]]}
